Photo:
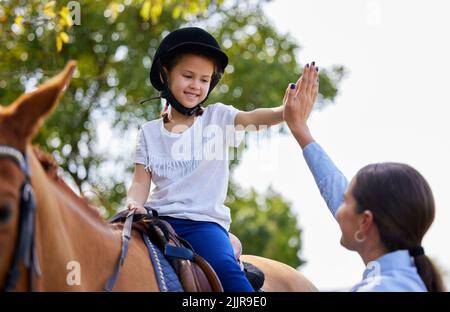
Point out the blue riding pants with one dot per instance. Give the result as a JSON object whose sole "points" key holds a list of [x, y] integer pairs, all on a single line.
{"points": [[211, 241]]}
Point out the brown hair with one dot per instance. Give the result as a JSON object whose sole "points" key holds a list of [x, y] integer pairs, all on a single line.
{"points": [[169, 61], [165, 114], [403, 207]]}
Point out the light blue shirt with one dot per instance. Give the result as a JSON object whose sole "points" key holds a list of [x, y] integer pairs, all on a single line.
{"points": [[394, 271]]}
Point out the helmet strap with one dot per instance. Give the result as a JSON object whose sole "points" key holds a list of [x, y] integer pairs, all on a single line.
{"points": [[171, 100]]}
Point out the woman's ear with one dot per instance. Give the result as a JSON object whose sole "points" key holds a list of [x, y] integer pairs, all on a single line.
{"points": [[366, 221]]}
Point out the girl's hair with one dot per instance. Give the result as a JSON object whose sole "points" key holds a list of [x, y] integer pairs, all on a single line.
{"points": [[165, 114], [403, 208], [169, 61]]}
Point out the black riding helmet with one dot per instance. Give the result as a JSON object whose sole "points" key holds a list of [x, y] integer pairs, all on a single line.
{"points": [[185, 39]]}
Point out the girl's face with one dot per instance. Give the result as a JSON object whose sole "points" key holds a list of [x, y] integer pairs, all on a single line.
{"points": [[348, 219], [190, 78]]}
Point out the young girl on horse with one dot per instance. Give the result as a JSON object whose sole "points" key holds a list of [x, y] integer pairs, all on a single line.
{"points": [[184, 154]]}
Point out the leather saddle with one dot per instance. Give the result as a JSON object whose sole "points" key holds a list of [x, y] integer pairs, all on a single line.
{"points": [[194, 273]]}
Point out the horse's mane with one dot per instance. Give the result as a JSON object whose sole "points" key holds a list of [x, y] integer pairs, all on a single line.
{"points": [[48, 163], [51, 168]]}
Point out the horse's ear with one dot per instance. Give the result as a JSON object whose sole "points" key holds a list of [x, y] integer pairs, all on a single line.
{"points": [[31, 108]]}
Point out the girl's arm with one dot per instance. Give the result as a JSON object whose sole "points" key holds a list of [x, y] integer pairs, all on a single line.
{"points": [[139, 190], [263, 117], [260, 117]]}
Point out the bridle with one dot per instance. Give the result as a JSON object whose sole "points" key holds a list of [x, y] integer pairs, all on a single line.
{"points": [[25, 249]]}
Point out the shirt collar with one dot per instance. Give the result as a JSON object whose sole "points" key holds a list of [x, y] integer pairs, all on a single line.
{"points": [[395, 260]]}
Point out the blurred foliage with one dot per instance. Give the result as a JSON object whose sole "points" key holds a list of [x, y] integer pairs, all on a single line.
{"points": [[113, 42], [266, 221]]}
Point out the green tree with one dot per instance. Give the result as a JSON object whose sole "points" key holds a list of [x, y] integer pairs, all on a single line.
{"points": [[113, 45], [265, 224]]}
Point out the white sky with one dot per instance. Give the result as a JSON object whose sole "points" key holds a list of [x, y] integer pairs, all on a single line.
{"points": [[393, 106]]}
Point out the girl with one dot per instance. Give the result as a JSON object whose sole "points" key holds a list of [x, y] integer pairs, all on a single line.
{"points": [[185, 153]]}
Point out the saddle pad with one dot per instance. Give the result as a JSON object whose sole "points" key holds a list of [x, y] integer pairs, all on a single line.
{"points": [[165, 275]]}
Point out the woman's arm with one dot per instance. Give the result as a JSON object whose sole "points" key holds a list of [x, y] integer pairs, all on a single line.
{"points": [[329, 179], [140, 188], [299, 101]]}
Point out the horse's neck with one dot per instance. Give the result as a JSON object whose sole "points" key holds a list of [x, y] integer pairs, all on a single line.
{"points": [[70, 238]]}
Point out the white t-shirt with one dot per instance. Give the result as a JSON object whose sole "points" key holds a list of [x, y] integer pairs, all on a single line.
{"points": [[190, 170]]}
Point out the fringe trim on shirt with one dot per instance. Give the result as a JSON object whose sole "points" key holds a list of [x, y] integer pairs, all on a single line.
{"points": [[168, 168]]}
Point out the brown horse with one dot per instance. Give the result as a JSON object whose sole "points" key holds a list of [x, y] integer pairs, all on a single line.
{"points": [[75, 249]]}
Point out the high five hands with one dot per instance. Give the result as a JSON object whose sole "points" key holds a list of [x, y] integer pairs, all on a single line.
{"points": [[298, 102]]}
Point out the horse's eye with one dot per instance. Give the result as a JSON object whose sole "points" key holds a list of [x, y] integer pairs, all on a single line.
{"points": [[5, 212]]}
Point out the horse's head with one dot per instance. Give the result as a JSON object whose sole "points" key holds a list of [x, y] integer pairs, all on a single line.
{"points": [[19, 122]]}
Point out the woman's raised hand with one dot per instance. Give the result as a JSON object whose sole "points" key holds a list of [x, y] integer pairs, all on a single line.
{"points": [[300, 97], [298, 103]]}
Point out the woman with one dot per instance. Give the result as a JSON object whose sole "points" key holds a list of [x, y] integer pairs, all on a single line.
{"points": [[383, 213]]}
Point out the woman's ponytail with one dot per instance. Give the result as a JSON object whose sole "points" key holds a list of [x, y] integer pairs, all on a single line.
{"points": [[429, 274]]}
